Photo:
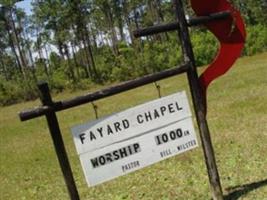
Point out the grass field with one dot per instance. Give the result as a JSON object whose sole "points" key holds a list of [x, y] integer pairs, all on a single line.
{"points": [[237, 117]]}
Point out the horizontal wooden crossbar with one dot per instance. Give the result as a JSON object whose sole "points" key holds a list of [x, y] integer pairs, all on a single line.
{"points": [[194, 21], [63, 105]]}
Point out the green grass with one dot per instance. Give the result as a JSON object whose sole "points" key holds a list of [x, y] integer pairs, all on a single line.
{"points": [[237, 116]]}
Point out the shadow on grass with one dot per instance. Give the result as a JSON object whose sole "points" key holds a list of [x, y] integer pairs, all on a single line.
{"points": [[235, 192]]}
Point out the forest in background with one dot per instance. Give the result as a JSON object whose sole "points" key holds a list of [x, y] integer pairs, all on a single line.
{"points": [[77, 44]]}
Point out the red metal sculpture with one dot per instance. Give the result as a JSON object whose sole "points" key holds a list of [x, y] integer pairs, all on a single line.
{"points": [[230, 32]]}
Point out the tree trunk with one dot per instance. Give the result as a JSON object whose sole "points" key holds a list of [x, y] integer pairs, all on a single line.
{"points": [[106, 8], [70, 68], [159, 11], [152, 8], [28, 47], [136, 18], [17, 42], [139, 44], [92, 60], [127, 20], [12, 43], [47, 59], [83, 58], [160, 16], [60, 47], [94, 39], [13, 48], [32, 64], [40, 53], [120, 24], [2, 65], [87, 56], [75, 59]]}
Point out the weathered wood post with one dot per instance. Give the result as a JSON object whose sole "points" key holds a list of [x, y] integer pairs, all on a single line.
{"points": [[197, 98], [58, 141]]}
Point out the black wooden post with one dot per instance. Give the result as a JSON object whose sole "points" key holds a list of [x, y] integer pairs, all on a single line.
{"points": [[198, 102], [58, 141]]}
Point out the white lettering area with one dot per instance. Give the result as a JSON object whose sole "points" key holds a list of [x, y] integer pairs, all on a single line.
{"points": [[135, 138]]}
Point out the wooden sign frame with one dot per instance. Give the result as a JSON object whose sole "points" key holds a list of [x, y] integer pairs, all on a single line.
{"points": [[50, 107]]}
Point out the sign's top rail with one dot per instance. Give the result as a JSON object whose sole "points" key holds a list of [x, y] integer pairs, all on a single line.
{"points": [[63, 105], [194, 21]]}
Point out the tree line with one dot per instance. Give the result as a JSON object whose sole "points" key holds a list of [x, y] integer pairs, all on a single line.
{"points": [[76, 44]]}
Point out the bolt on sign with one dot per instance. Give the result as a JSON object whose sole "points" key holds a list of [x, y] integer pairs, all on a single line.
{"points": [[135, 138]]}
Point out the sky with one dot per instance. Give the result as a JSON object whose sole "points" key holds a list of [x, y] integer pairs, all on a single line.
{"points": [[26, 5]]}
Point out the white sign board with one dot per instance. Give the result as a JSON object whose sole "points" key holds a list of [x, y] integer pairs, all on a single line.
{"points": [[148, 133]]}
